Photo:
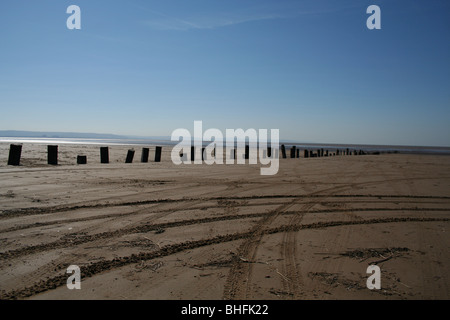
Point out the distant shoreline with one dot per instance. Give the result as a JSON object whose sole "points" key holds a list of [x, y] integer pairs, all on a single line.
{"points": [[167, 142]]}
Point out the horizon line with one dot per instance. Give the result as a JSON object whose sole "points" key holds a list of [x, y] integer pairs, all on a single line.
{"points": [[112, 136]]}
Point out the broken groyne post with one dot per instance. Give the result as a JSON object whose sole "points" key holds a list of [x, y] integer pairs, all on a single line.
{"points": [[283, 151], [52, 155], [81, 159], [130, 156], [104, 155], [15, 151], [144, 155], [292, 152], [158, 154]]}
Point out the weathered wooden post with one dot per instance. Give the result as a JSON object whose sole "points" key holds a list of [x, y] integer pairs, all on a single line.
{"points": [[158, 154], [81, 159], [52, 155], [326, 153], [306, 154], [15, 151], [298, 153], [104, 155], [292, 152], [144, 155], [283, 151], [130, 156]]}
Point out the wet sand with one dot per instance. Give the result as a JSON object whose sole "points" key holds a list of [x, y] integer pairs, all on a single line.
{"points": [[161, 231]]}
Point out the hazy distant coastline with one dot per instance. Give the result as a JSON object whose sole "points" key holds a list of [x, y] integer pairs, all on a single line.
{"points": [[43, 137]]}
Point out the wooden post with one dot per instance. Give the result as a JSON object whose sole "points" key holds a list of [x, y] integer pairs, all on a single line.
{"points": [[298, 153], [15, 151], [104, 155], [306, 154], [130, 156], [283, 151], [292, 152], [52, 155], [326, 153], [192, 153], [81, 159], [158, 154], [144, 155], [247, 151]]}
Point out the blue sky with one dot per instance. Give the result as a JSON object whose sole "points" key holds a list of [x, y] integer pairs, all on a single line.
{"points": [[309, 68]]}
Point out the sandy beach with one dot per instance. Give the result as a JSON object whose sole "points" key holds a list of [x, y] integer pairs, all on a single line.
{"points": [[161, 231]]}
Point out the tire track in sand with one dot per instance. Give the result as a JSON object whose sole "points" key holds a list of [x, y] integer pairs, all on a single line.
{"points": [[155, 209], [239, 277], [95, 268], [238, 281], [72, 241], [8, 213], [69, 240], [291, 274]]}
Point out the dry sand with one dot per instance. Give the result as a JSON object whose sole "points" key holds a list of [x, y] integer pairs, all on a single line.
{"points": [[160, 231]]}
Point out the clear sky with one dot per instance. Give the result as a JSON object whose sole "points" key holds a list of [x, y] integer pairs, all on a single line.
{"points": [[309, 68]]}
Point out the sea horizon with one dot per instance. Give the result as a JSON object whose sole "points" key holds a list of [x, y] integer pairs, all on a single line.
{"points": [[166, 141]]}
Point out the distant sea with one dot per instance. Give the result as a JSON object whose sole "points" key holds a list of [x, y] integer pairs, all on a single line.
{"points": [[121, 142], [163, 141]]}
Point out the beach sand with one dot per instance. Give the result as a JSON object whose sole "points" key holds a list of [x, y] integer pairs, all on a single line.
{"points": [[161, 231]]}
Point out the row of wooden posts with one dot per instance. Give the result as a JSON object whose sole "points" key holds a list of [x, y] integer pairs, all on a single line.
{"points": [[295, 152], [15, 152]]}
